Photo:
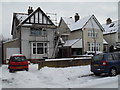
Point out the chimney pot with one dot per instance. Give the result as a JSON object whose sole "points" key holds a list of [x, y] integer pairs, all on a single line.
{"points": [[76, 17], [30, 10], [108, 21]]}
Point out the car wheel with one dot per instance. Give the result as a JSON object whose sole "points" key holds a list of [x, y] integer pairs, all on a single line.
{"points": [[27, 69], [11, 71], [113, 72], [97, 74]]}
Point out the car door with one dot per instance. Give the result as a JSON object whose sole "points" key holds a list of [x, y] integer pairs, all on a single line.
{"points": [[117, 61]]}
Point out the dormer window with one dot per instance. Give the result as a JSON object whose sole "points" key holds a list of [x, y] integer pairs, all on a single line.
{"points": [[38, 32]]}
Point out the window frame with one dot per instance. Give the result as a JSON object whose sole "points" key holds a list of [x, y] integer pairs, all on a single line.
{"points": [[94, 46], [92, 33], [45, 48], [38, 32]]}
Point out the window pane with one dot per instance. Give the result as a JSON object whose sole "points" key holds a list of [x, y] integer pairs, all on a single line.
{"points": [[39, 32], [34, 50], [39, 44], [45, 50], [45, 44], [34, 44], [39, 50], [110, 57], [44, 33], [36, 32]]}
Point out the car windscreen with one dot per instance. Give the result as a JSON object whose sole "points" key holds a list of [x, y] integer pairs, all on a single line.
{"points": [[18, 59], [97, 57]]}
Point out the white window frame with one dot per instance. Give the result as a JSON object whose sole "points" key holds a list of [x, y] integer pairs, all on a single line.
{"points": [[37, 32], [92, 33], [36, 47], [93, 46]]}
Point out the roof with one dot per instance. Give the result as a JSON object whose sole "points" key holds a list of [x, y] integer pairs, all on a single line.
{"points": [[104, 41], [79, 24], [112, 27], [25, 19], [8, 41], [72, 25], [21, 16], [68, 21], [75, 43]]}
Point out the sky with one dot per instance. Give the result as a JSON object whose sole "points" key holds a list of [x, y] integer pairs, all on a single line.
{"points": [[102, 10]]}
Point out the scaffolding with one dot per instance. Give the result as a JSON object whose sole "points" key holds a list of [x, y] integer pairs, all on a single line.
{"points": [[52, 17]]}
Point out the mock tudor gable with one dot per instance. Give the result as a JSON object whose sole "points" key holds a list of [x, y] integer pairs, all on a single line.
{"points": [[37, 17]]}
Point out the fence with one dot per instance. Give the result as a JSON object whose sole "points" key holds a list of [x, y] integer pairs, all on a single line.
{"points": [[64, 63]]}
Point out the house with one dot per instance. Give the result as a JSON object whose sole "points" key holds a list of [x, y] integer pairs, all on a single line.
{"points": [[32, 35], [0, 51], [112, 34], [81, 35]]}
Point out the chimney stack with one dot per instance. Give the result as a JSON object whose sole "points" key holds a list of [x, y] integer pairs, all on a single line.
{"points": [[108, 21], [30, 10], [76, 17]]}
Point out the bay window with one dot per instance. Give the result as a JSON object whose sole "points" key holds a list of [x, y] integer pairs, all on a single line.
{"points": [[94, 46], [39, 48]]}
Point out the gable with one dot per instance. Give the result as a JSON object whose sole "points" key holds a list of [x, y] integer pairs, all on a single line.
{"points": [[37, 17], [63, 27], [93, 23]]}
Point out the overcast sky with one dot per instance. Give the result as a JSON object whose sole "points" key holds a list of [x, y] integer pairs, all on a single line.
{"points": [[102, 10]]}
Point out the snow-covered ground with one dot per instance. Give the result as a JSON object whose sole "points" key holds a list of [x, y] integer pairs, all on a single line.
{"points": [[70, 77]]}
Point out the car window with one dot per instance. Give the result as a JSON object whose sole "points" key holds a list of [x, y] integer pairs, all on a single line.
{"points": [[110, 57], [18, 59], [115, 55], [97, 58], [118, 56]]}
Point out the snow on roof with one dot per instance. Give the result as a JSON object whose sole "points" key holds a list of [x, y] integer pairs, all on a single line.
{"points": [[76, 25], [111, 28], [61, 40], [10, 40], [104, 41], [76, 43], [68, 21], [80, 23], [21, 16]]}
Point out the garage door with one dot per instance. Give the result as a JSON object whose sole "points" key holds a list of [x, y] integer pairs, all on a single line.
{"points": [[10, 51]]}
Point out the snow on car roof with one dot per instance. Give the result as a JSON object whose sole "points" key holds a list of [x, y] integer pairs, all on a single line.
{"points": [[18, 55]]}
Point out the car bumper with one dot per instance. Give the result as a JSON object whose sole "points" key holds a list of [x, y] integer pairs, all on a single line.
{"points": [[100, 70], [19, 67]]}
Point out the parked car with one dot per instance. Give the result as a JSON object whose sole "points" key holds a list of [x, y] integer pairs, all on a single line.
{"points": [[18, 62], [106, 63]]}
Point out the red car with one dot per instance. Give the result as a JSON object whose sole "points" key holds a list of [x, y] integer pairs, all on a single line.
{"points": [[18, 62]]}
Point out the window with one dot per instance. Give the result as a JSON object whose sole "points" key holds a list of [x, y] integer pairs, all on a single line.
{"points": [[38, 32], [18, 58], [97, 58], [110, 58], [92, 33], [116, 56], [94, 46], [39, 48]]}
